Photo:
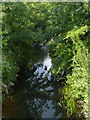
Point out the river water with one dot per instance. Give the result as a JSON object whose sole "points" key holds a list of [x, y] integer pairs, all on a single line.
{"points": [[36, 93]]}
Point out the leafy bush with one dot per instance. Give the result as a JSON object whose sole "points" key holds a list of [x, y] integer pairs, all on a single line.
{"points": [[78, 80]]}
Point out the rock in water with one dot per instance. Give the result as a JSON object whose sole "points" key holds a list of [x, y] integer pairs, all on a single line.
{"points": [[45, 67]]}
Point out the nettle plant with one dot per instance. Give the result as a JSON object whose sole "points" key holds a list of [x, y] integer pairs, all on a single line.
{"points": [[77, 82]]}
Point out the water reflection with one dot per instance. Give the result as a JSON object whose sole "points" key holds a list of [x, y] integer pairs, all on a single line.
{"points": [[36, 95], [41, 93]]}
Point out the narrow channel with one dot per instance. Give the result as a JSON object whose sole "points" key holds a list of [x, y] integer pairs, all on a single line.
{"points": [[37, 93]]}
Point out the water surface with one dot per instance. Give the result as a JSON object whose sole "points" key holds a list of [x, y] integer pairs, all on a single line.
{"points": [[36, 93]]}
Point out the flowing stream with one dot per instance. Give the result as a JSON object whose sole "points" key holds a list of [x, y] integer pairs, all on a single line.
{"points": [[36, 93]]}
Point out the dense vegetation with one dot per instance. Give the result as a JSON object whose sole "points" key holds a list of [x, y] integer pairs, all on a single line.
{"points": [[64, 27]]}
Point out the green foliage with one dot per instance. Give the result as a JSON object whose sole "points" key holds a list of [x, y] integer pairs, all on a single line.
{"points": [[69, 100], [64, 27], [69, 49], [78, 80], [64, 18], [23, 28], [9, 70]]}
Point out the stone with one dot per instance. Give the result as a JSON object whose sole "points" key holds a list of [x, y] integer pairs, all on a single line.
{"points": [[45, 67]]}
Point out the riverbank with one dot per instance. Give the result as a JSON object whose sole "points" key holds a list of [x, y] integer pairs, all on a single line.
{"points": [[9, 75], [11, 67]]}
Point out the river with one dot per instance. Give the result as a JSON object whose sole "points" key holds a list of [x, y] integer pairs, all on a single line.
{"points": [[36, 93]]}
